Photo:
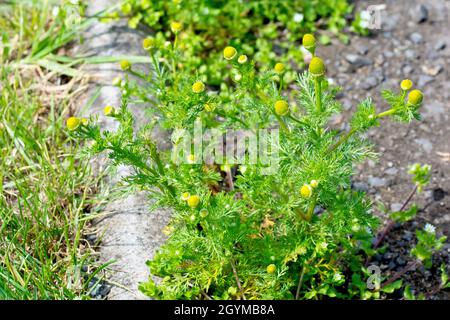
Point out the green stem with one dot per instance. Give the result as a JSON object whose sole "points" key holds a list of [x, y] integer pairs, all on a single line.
{"points": [[341, 141], [386, 113], [318, 91], [282, 124], [311, 208], [281, 84]]}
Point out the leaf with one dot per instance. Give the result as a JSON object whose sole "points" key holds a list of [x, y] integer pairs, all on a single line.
{"points": [[444, 276], [391, 287], [403, 216], [407, 293]]}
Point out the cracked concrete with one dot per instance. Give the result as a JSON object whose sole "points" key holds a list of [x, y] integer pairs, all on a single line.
{"points": [[130, 232]]}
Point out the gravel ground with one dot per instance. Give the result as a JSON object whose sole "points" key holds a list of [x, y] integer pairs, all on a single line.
{"points": [[412, 43]]}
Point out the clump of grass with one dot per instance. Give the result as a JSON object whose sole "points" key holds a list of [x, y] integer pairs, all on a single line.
{"points": [[45, 189]]}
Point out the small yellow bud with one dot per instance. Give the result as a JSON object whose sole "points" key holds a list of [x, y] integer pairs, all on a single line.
{"points": [[279, 67], [314, 183], [281, 108], [203, 213], [109, 111], [73, 123], [176, 26], [306, 191], [191, 158], [198, 87], [125, 65], [185, 196], [193, 201], [148, 43], [229, 53], [242, 59], [415, 97], [84, 121], [317, 67], [117, 81], [209, 107], [309, 42], [406, 84], [271, 268]]}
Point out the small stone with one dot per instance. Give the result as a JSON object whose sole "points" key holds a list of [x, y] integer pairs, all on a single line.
{"points": [[425, 144], [395, 207], [411, 54], [407, 69], [376, 182], [362, 49], [391, 171], [440, 45], [369, 83], [416, 38], [407, 236], [424, 80], [400, 261], [432, 70], [360, 186], [420, 13], [358, 61]]}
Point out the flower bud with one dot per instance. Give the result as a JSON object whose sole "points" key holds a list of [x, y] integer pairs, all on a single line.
{"points": [[314, 183], [229, 53], [309, 42], [203, 213], [415, 97], [84, 121], [271, 268], [306, 191], [148, 43], [109, 111], [193, 201], [317, 67], [242, 59], [198, 87], [209, 107], [73, 123], [281, 108], [406, 84], [125, 65], [279, 67], [185, 196], [176, 26]]}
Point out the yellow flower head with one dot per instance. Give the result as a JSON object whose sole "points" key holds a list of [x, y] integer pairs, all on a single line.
{"points": [[317, 67], [108, 111], [306, 191], [148, 43], [229, 53], [314, 183], [125, 65], [73, 123], [271, 268], [415, 97], [309, 42], [117, 81], [198, 87], [176, 26], [279, 67], [242, 59], [193, 201], [209, 107], [185, 196], [406, 84], [281, 108], [191, 159]]}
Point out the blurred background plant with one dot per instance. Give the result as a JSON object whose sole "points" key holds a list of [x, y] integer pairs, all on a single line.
{"points": [[269, 31]]}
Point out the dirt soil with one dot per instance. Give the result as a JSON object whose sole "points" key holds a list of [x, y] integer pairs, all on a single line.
{"points": [[412, 43]]}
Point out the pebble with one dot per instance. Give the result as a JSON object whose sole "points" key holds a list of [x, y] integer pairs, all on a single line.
{"points": [[369, 83], [407, 236], [407, 69], [358, 61], [395, 207], [416, 38], [425, 144], [376, 182], [440, 45], [420, 14], [391, 171], [362, 49], [411, 54], [424, 80], [400, 261], [432, 70], [360, 186]]}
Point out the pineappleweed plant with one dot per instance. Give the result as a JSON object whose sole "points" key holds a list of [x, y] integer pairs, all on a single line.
{"points": [[236, 233]]}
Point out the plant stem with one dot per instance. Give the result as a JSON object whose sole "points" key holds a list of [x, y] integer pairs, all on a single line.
{"points": [[318, 91], [281, 84], [392, 222], [341, 141], [311, 208], [397, 275], [386, 113], [300, 282], [282, 124], [237, 278]]}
